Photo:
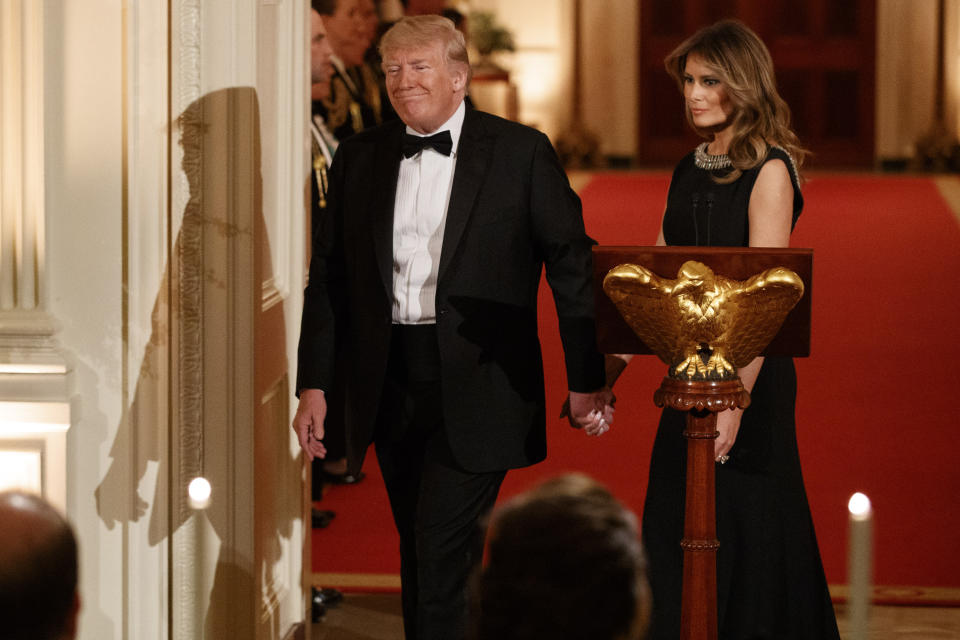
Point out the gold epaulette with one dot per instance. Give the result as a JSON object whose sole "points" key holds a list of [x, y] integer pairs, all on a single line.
{"points": [[337, 104]]}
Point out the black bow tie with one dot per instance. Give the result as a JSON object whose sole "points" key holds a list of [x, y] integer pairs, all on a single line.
{"points": [[440, 142]]}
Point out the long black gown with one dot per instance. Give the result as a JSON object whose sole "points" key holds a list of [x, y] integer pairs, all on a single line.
{"points": [[770, 577]]}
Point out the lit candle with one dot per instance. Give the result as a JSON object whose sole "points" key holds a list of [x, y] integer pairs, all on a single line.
{"points": [[860, 560], [198, 497], [198, 492]]}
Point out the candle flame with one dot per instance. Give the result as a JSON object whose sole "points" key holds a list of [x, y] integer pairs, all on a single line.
{"points": [[199, 493], [859, 506]]}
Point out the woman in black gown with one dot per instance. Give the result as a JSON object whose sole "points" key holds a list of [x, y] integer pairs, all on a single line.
{"points": [[739, 188]]}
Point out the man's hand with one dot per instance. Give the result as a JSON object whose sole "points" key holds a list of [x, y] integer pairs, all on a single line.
{"points": [[592, 412], [308, 423]]}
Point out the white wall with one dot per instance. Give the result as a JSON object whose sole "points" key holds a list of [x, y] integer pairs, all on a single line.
{"points": [[108, 179], [906, 52], [83, 109], [610, 92]]}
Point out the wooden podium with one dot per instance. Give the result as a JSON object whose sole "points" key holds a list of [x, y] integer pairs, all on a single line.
{"points": [[701, 399]]}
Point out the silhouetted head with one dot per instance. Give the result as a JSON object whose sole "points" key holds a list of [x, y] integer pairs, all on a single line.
{"points": [[38, 570], [564, 561]]}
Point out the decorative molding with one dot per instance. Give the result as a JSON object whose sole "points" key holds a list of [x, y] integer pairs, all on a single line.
{"points": [[715, 396], [187, 65], [700, 545], [21, 155], [188, 51], [143, 431], [274, 574], [27, 344], [185, 271], [34, 407], [188, 253]]}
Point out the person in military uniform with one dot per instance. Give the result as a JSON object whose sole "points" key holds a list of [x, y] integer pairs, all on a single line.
{"points": [[323, 141], [355, 98]]}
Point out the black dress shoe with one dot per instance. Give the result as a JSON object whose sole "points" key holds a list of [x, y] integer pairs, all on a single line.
{"points": [[317, 608], [322, 599], [342, 478], [331, 597], [321, 518]]}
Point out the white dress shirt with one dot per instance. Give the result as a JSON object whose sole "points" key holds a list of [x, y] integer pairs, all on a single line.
{"points": [[420, 214]]}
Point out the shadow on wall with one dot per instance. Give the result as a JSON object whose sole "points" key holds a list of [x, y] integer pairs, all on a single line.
{"points": [[194, 405]]}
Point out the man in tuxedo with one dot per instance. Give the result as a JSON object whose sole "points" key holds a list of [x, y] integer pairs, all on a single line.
{"points": [[425, 270]]}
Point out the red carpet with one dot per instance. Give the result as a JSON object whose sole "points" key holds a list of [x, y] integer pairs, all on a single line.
{"points": [[875, 411]]}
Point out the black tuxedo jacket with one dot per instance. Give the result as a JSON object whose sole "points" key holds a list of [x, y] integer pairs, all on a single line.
{"points": [[511, 213]]}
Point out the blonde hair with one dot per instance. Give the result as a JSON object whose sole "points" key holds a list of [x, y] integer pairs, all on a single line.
{"points": [[760, 117], [424, 31]]}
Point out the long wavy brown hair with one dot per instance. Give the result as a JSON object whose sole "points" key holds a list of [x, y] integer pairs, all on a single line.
{"points": [[742, 62]]}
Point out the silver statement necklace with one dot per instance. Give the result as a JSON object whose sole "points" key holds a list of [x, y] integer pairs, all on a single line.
{"points": [[704, 160]]}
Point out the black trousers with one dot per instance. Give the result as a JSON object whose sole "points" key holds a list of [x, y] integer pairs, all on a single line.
{"points": [[438, 507]]}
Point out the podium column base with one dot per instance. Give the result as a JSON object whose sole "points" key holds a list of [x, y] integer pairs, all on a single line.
{"points": [[701, 400]]}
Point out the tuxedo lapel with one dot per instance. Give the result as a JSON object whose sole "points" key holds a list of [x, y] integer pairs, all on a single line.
{"points": [[386, 169], [474, 155]]}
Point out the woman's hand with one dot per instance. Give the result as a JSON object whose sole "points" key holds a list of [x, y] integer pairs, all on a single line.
{"points": [[728, 424]]}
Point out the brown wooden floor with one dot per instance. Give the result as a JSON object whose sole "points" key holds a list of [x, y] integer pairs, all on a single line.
{"points": [[377, 617]]}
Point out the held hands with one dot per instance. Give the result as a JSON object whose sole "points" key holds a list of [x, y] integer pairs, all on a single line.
{"points": [[308, 423], [592, 412], [597, 409]]}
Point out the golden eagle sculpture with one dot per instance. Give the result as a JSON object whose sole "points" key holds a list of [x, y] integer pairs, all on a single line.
{"points": [[704, 326]]}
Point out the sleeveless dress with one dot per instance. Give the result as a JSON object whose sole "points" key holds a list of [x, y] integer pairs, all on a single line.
{"points": [[770, 578]]}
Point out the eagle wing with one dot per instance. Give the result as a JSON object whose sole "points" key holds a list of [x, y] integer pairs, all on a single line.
{"points": [[756, 311], [645, 301]]}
